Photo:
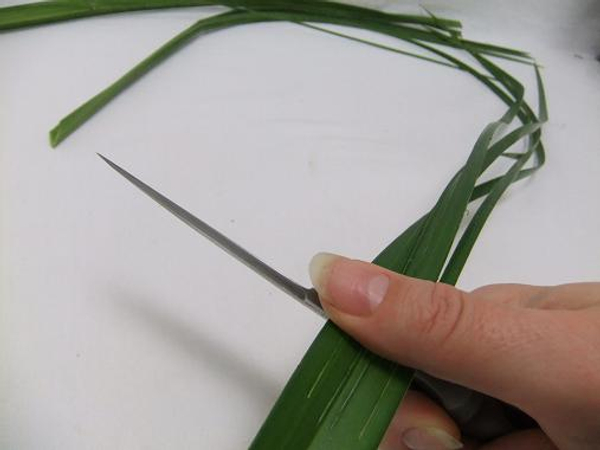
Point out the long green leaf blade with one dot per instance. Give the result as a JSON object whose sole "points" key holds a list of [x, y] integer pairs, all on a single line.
{"points": [[414, 29], [75, 119]]}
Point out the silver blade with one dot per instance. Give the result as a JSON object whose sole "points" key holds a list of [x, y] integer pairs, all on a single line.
{"points": [[461, 403], [308, 297]]}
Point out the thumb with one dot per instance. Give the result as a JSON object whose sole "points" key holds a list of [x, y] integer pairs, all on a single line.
{"points": [[436, 328]]}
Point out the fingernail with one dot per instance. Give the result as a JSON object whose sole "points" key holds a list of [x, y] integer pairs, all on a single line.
{"points": [[429, 438], [353, 287]]}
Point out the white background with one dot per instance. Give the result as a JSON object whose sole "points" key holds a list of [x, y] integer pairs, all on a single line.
{"points": [[121, 328]]}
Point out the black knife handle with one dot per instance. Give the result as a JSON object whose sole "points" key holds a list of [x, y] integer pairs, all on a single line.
{"points": [[477, 415]]}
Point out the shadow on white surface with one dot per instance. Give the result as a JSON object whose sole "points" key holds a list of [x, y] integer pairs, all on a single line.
{"points": [[192, 343]]}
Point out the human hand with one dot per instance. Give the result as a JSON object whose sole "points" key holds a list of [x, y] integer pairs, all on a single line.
{"points": [[537, 348]]}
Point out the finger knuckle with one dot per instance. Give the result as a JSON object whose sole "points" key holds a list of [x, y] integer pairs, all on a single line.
{"points": [[440, 314]]}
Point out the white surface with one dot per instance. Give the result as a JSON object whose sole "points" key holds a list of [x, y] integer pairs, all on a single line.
{"points": [[123, 329]]}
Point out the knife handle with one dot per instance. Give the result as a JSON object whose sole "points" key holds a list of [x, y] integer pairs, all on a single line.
{"points": [[477, 415]]}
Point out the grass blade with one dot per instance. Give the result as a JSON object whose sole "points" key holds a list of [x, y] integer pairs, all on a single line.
{"points": [[47, 12], [83, 113], [42, 13], [411, 28]]}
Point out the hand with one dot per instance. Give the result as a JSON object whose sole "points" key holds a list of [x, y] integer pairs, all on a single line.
{"points": [[537, 348]]}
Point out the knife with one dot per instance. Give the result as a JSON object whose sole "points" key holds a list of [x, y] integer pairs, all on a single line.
{"points": [[478, 415]]}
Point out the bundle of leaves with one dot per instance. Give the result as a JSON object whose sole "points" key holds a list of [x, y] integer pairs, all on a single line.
{"points": [[341, 395]]}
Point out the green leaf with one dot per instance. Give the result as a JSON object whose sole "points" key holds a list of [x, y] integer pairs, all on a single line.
{"points": [[340, 396], [414, 29], [76, 118], [42, 13], [46, 12], [420, 251], [499, 186]]}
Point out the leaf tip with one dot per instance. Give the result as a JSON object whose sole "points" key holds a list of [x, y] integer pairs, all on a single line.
{"points": [[55, 137]]}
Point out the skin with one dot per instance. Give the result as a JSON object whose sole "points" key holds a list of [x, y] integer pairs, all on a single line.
{"points": [[537, 348]]}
